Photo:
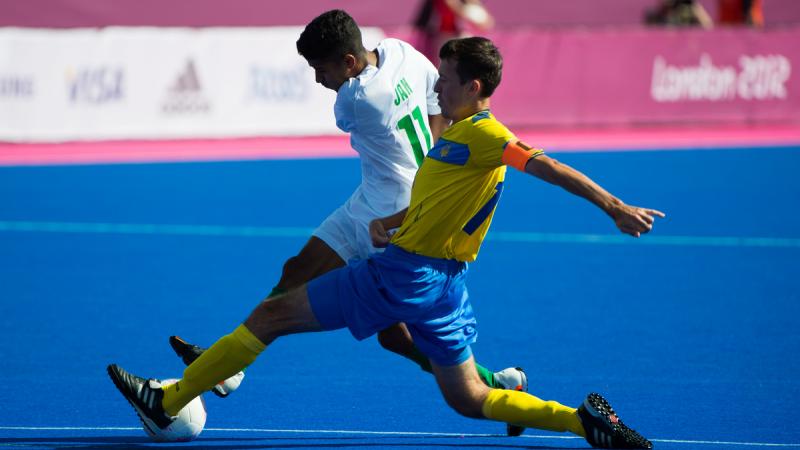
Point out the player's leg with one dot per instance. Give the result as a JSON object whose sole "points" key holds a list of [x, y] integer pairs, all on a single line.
{"points": [[421, 338], [468, 395], [462, 388], [315, 306], [314, 259], [595, 419], [397, 339], [274, 317], [332, 244], [277, 316]]}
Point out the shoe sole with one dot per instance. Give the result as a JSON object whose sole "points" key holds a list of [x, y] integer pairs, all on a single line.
{"points": [[182, 349], [599, 404], [595, 402], [599, 409], [121, 386]]}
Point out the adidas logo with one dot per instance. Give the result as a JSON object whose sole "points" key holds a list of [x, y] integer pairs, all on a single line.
{"points": [[148, 396], [185, 94], [187, 81], [602, 439]]}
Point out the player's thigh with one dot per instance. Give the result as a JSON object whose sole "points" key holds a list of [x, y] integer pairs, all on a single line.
{"points": [[462, 387], [281, 315], [315, 258]]}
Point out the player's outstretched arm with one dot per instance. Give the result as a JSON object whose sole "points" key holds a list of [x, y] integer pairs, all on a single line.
{"points": [[631, 220], [379, 228]]}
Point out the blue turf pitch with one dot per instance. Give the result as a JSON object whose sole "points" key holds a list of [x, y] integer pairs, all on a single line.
{"points": [[692, 335]]}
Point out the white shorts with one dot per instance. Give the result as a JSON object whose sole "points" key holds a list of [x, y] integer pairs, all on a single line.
{"points": [[346, 230]]}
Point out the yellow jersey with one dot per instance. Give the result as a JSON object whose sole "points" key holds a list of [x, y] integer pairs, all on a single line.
{"points": [[456, 189]]}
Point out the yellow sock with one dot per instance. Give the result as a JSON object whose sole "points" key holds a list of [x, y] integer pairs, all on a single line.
{"points": [[225, 358], [523, 409]]}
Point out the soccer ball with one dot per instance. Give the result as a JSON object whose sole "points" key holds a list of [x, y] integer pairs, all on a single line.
{"points": [[187, 426]]}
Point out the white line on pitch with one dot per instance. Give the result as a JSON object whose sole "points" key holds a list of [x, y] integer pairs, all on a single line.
{"points": [[394, 433], [499, 236]]}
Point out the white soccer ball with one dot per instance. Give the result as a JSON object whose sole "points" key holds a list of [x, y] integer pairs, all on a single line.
{"points": [[187, 426]]}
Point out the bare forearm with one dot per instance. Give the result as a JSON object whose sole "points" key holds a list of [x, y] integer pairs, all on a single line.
{"points": [[379, 229], [395, 220], [573, 181], [629, 219]]}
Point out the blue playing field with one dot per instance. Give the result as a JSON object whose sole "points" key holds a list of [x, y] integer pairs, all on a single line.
{"points": [[691, 332]]}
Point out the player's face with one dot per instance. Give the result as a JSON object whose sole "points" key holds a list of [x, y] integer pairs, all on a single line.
{"points": [[331, 73], [455, 97]]}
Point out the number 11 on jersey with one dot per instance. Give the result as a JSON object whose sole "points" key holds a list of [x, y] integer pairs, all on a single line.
{"points": [[407, 124]]}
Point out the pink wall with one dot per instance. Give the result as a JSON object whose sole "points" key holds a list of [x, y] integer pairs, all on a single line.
{"points": [[193, 13], [509, 13], [611, 12], [638, 76]]}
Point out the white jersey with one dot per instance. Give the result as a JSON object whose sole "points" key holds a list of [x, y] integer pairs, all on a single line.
{"points": [[385, 109]]}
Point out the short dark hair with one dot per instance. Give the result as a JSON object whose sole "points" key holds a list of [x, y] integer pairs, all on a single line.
{"points": [[476, 58], [330, 35]]}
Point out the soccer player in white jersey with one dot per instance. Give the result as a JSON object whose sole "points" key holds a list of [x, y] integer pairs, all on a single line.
{"points": [[385, 100], [421, 277]]}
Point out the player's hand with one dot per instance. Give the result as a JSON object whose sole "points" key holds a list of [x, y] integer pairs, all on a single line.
{"points": [[380, 237], [634, 220]]}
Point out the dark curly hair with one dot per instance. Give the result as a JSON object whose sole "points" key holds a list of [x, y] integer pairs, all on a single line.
{"points": [[330, 35], [476, 58]]}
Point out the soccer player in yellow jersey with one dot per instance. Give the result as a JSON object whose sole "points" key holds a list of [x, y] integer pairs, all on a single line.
{"points": [[420, 278], [386, 102]]}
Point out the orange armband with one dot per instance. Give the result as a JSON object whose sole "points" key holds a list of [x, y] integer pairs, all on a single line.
{"points": [[517, 153]]}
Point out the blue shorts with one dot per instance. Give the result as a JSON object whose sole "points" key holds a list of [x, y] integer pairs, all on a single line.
{"points": [[428, 294]]}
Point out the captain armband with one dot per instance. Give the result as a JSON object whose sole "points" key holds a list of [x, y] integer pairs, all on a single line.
{"points": [[517, 153]]}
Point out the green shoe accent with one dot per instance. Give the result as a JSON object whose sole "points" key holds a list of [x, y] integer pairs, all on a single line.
{"points": [[487, 376]]}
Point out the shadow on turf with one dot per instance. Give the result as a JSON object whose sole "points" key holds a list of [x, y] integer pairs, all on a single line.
{"points": [[99, 442]]}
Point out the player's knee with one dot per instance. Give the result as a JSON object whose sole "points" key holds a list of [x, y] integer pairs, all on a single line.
{"points": [[466, 403], [272, 318], [395, 339], [292, 272], [291, 266]]}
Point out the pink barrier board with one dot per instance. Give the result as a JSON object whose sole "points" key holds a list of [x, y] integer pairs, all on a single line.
{"points": [[379, 13], [645, 76], [552, 140]]}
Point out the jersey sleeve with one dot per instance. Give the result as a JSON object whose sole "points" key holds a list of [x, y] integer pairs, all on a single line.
{"points": [[433, 76], [488, 141], [344, 109], [424, 65]]}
